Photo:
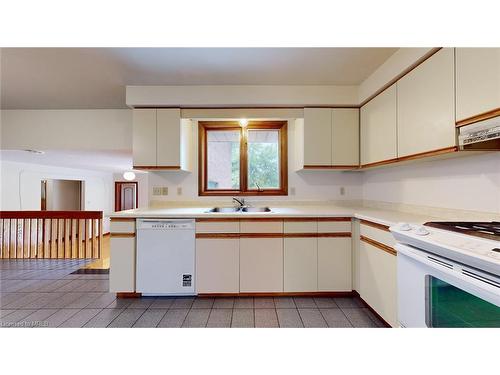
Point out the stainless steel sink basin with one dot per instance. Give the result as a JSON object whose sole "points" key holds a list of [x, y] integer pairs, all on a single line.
{"points": [[224, 209], [256, 209]]}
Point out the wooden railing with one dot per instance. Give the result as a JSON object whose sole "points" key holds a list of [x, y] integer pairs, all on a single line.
{"points": [[50, 234]]}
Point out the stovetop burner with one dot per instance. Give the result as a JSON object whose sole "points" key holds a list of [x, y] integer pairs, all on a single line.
{"points": [[489, 230]]}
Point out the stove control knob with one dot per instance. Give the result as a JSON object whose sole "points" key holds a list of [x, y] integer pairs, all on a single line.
{"points": [[421, 231], [404, 227]]}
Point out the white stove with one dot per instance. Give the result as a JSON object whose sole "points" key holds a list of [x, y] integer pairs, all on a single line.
{"points": [[448, 274], [481, 252]]}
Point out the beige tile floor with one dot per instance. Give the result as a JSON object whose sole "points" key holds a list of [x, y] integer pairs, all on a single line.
{"points": [[44, 293]]}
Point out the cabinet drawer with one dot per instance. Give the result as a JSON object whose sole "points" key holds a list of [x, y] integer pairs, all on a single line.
{"points": [[122, 226], [300, 226], [261, 226], [378, 235], [334, 226], [217, 226]]}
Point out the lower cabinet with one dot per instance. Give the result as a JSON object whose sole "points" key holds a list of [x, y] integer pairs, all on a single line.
{"points": [[122, 265], [217, 265], [261, 265], [334, 264], [300, 264], [378, 281]]}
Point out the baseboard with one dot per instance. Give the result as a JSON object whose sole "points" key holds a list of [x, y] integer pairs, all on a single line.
{"points": [[280, 294], [128, 295]]}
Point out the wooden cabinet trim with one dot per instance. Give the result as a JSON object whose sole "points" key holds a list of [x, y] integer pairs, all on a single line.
{"points": [[420, 155], [122, 219], [379, 245], [218, 235], [217, 219], [375, 225], [300, 235], [480, 117], [331, 166], [334, 234], [261, 235], [173, 167]]}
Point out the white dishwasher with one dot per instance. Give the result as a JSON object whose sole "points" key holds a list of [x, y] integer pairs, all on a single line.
{"points": [[165, 257]]}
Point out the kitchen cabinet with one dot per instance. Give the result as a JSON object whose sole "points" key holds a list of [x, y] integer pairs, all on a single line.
{"points": [[425, 106], [378, 128], [300, 264], [345, 136], [217, 265], [144, 137], [478, 81], [378, 281], [317, 136], [331, 138], [122, 264], [161, 139], [334, 264], [261, 265]]}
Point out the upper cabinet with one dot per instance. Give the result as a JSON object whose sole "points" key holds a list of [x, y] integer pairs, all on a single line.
{"points": [[345, 137], [331, 138], [379, 128], [478, 83], [425, 106], [317, 137], [161, 140]]}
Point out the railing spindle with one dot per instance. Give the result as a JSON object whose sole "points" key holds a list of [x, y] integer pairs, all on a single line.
{"points": [[50, 234]]}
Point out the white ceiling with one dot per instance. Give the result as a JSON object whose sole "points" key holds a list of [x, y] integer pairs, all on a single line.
{"points": [[71, 78], [106, 161]]}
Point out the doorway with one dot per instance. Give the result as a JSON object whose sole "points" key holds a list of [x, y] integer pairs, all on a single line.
{"points": [[126, 195], [61, 195]]}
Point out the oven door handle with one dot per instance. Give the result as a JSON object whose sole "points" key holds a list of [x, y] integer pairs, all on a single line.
{"points": [[486, 286]]}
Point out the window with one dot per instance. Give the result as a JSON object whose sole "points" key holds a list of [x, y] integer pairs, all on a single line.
{"points": [[237, 160]]}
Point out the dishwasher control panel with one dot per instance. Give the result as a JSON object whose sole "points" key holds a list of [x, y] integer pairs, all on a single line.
{"points": [[166, 224]]}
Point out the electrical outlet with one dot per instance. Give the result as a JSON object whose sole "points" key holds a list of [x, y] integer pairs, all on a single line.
{"points": [[160, 190], [342, 190], [179, 190]]}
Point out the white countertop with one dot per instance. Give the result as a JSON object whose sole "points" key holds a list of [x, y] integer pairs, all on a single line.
{"points": [[385, 217]]}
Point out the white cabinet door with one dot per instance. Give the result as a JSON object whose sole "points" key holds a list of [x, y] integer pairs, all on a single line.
{"points": [[478, 81], [261, 265], [301, 264], [317, 136], [426, 100], [122, 264], [217, 265], [345, 136], [168, 140], [334, 264], [144, 137], [378, 128], [378, 281]]}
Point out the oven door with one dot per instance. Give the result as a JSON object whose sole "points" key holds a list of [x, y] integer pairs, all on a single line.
{"points": [[435, 292]]}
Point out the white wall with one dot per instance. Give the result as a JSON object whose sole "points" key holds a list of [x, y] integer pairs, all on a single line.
{"points": [[63, 195], [468, 183], [21, 190], [309, 185], [142, 186]]}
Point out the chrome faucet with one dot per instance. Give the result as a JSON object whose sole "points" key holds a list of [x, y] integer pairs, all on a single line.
{"points": [[240, 202]]}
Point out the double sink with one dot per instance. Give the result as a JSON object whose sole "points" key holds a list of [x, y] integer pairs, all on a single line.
{"points": [[238, 209]]}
